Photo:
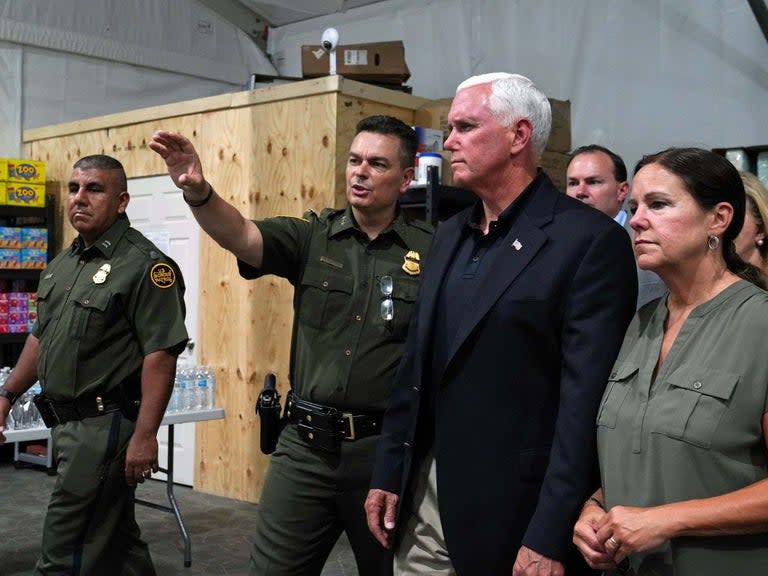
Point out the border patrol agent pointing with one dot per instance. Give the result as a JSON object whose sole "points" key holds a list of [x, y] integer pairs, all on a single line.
{"points": [[355, 273], [110, 326]]}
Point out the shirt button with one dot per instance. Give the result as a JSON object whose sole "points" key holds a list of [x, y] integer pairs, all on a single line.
{"points": [[696, 385], [86, 301], [475, 258], [68, 288], [325, 283], [348, 352], [416, 389], [358, 317], [406, 444]]}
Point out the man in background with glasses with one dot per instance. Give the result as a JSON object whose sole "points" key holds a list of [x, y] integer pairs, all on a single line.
{"points": [[488, 446], [356, 272]]}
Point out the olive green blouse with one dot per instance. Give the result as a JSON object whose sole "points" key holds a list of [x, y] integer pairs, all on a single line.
{"points": [[693, 432]]}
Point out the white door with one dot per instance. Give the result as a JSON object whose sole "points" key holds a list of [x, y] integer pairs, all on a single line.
{"points": [[158, 211]]}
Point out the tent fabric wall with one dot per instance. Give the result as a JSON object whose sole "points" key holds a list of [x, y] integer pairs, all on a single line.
{"points": [[10, 99], [65, 60], [641, 75]]}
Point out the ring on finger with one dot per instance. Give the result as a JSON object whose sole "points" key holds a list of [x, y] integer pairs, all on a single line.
{"points": [[613, 542]]}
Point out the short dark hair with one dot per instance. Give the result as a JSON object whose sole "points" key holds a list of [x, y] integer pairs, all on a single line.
{"points": [[619, 168], [710, 179], [391, 126], [104, 162]]}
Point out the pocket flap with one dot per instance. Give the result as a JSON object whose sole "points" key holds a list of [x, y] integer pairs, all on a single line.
{"points": [[44, 288], [95, 299], [623, 372], [405, 289], [705, 381], [327, 279]]}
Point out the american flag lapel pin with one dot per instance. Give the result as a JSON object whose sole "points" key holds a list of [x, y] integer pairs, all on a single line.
{"points": [[516, 244]]}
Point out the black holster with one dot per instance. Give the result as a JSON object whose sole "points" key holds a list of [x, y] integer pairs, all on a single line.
{"points": [[268, 409]]}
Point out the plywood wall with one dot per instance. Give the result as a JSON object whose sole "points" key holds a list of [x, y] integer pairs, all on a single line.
{"points": [[277, 151]]}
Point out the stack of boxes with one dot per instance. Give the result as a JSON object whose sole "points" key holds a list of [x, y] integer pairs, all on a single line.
{"points": [[22, 183], [23, 247], [18, 311]]}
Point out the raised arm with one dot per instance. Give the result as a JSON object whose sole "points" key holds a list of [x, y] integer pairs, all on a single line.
{"points": [[220, 220]]}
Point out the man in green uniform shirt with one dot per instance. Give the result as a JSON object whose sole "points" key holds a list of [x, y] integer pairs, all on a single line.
{"points": [[355, 272], [110, 326]]}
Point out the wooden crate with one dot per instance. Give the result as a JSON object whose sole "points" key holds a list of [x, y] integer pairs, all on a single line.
{"points": [[276, 150]]}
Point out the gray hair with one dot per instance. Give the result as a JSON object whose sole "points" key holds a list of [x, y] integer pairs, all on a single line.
{"points": [[513, 97]]}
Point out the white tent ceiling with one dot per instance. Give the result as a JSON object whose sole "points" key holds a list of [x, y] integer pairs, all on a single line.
{"points": [[253, 16]]}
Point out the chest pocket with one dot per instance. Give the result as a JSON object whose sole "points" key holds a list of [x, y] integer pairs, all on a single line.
{"points": [[90, 315], [619, 384], [44, 295], [326, 298], [404, 292], [695, 401]]}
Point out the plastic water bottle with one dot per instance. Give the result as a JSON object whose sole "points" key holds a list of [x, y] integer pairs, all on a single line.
{"points": [[206, 384], [185, 390], [211, 375], [35, 420], [201, 389]]}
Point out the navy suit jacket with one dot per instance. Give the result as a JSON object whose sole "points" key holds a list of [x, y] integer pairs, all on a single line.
{"points": [[514, 417]]}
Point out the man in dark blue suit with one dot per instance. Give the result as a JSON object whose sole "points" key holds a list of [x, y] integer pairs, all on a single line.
{"points": [[522, 310]]}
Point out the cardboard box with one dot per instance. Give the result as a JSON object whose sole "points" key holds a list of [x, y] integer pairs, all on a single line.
{"points": [[33, 258], [10, 258], [555, 164], [33, 238], [381, 62], [22, 170], [435, 115], [560, 136], [10, 237], [19, 194]]}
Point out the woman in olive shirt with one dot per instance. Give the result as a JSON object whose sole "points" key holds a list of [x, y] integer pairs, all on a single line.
{"points": [[683, 426]]}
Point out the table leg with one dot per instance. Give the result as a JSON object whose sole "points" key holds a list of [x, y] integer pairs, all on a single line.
{"points": [[174, 507]]}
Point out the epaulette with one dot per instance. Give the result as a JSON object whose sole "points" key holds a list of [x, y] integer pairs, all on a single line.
{"points": [[330, 213], [144, 245]]}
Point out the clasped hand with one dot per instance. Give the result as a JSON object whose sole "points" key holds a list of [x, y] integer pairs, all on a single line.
{"points": [[605, 539]]}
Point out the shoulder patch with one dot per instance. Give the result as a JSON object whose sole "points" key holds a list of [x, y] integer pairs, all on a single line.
{"points": [[162, 275]]}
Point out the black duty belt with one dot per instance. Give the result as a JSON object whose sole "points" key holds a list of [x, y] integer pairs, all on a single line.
{"points": [[326, 427], [87, 406]]}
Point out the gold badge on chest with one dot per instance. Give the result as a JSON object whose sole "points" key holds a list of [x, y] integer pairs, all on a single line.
{"points": [[101, 274], [411, 263]]}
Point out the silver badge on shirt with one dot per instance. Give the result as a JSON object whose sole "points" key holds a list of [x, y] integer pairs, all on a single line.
{"points": [[101, 274]]}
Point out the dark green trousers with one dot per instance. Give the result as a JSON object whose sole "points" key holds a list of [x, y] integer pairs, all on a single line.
{"points": [[309, 498], [90, 528]]}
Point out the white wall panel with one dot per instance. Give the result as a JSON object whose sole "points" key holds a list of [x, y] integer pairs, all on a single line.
{"points": [[10, 99]]}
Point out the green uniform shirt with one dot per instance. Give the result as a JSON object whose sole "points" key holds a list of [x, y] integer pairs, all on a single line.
{"points": [[344, 354], [694, 432], [102, 309]]}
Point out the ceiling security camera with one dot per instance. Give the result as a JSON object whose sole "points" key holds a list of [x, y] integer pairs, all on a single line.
{"points": [[330, 39]]}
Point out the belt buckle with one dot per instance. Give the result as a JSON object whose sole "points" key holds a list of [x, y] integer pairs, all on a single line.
{"points": [[350, 418]]}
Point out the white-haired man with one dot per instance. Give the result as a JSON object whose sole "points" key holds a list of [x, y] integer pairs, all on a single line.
{"points": [[494, 404]]}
